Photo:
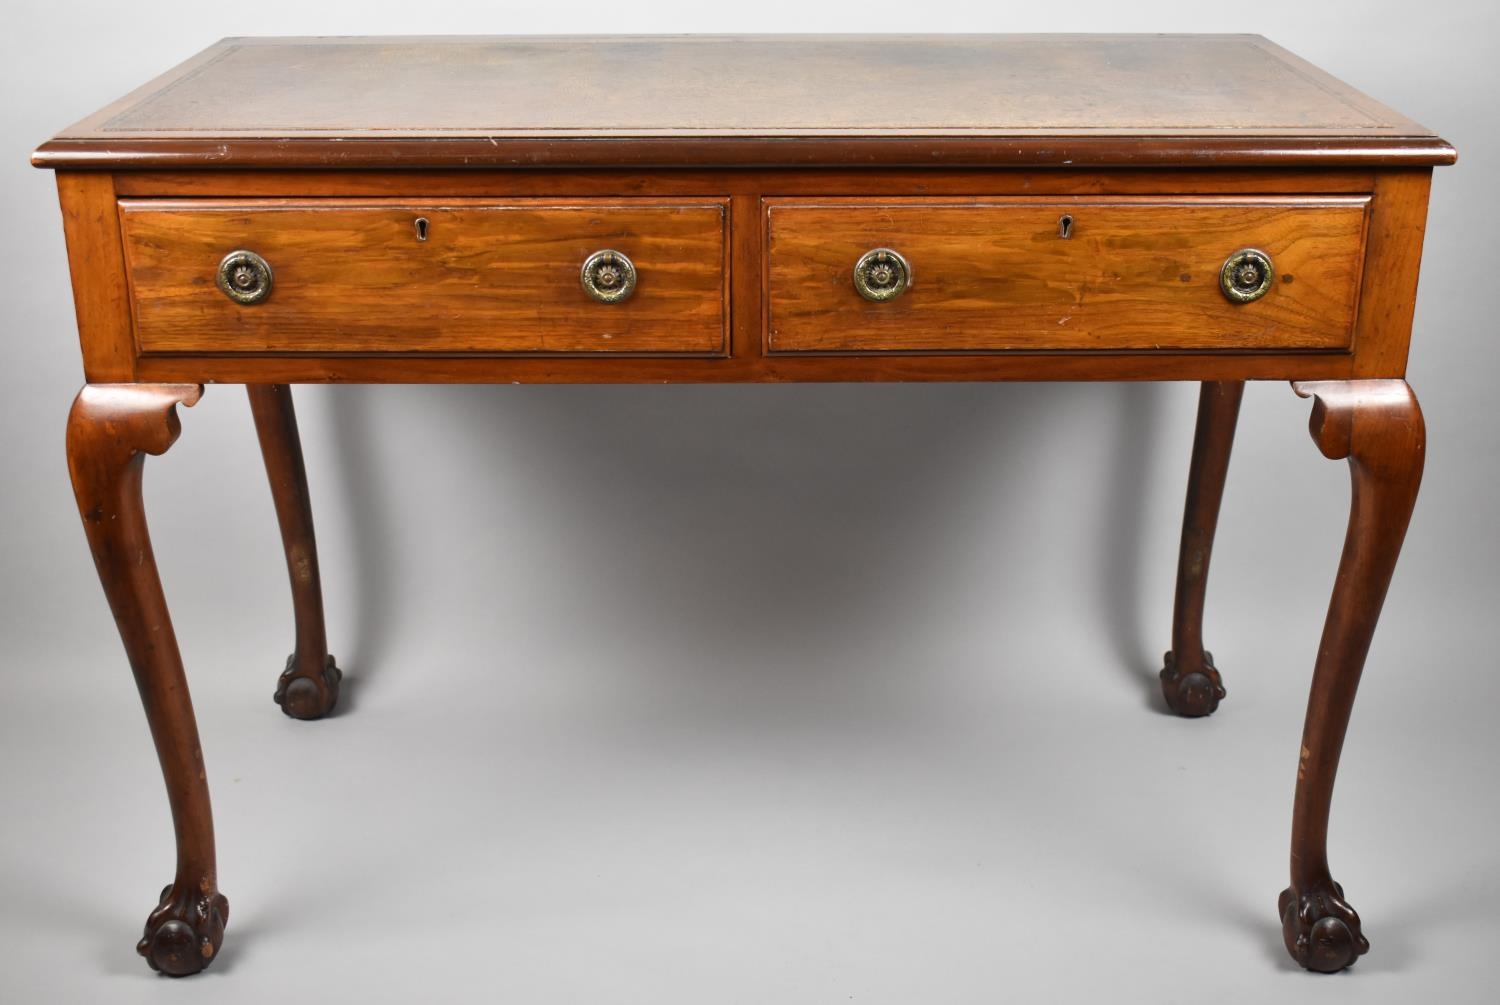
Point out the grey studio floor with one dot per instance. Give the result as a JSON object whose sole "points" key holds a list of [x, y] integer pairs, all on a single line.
{"points": [[859, 709]]}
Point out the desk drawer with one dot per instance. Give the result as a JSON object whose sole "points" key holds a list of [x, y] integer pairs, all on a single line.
{"points": [[455, 276], [1120, 274]]}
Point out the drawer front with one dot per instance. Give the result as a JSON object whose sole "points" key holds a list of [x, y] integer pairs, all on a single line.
{"points": [[458, 276], [1119, 274]]}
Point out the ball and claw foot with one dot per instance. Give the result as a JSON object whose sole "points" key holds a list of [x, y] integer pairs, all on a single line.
{"points": [[185, 931], [1194, 693], [308, 696], [1321, 929]]}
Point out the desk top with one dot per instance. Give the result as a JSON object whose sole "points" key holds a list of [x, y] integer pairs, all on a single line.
{"points": [[1006, 100]]}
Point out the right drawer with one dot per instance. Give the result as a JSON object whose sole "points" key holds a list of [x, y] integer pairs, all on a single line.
{"points": [[1033, 274]]}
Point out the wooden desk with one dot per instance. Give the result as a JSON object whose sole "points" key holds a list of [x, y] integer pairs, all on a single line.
{"points": [[756, 209]]}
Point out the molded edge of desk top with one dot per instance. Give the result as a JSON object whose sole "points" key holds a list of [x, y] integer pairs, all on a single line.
{"points": [[732, 101]]}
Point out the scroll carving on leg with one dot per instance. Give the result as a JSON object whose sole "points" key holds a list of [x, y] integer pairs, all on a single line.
{"points": [[111, 429], [1189, 681], [309, 684], [1377, 425]]}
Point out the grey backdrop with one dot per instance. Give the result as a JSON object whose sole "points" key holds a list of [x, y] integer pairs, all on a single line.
{"points": [[750, 694]]}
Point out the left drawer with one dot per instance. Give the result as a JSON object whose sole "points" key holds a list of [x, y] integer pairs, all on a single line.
{"points": [[405, 276]]}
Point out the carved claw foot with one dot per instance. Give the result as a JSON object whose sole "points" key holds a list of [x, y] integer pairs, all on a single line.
{"points": [[308, 696], [1321, 929], [1192, 690], [185, 931]]}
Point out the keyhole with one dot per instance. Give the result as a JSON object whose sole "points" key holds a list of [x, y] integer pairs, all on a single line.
{"points": [[421, 225], [1065, 226]]}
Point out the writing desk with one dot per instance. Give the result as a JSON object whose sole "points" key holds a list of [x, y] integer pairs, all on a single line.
{"points": [[755, 209]]}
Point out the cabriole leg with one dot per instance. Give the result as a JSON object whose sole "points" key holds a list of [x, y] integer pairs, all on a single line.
{"points": [[1377, 425], [1189, 680], [110, 430], [309, 685]]}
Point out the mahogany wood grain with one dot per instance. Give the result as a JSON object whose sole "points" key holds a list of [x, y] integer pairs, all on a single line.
{"points": [[747, 270], [649, 153], [749, 367], [1388, 298], [1377, 425], [101, 298], [1379, 351], [309, 685], [1190, 682], [997, 275], [740, 101], [111, 429], [1395, 212], [680, 183], [355, 277]]}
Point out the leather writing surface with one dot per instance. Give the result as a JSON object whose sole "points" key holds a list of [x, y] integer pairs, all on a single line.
{"points": [[738, 101], [762, 86]]}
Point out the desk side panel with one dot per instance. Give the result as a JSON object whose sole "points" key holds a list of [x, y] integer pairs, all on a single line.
{"points": [[1393, 260], [96, 260]]}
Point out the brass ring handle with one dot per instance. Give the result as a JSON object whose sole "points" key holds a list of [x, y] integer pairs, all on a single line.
{"points": [[245, 277], [1246, 276], [608, 276], [881, 274]]}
